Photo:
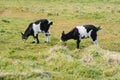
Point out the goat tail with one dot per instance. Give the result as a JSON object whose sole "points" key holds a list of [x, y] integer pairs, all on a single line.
{"points": [[99, 28]]}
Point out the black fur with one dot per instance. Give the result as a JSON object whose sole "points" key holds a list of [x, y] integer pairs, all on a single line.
{"points": [[44, 27], [74, 34], [91, 27]]}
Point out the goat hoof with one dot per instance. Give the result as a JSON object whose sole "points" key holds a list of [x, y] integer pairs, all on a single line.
{"points": [[33, 42], [78, 48], [46, 42]]}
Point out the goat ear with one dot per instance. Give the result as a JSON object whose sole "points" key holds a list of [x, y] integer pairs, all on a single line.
{"points": [[51, 23], [99, 27], [63, 33], [21, 33]]}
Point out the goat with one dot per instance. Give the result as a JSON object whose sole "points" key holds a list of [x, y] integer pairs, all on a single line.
{"points": [[39, 26], [81, 32]]}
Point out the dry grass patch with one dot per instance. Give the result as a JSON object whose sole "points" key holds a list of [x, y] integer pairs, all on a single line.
{"points": [[60, 52], [111, 57]]}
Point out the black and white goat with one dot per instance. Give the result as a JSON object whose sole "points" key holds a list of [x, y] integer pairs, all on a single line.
{"points": [[81, 32], [39, 26]]}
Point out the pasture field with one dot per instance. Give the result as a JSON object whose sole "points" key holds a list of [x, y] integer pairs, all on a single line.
{"points": [[54, 61]]}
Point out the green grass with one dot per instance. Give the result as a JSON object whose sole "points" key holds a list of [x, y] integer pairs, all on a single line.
{"points": [[53, 61]]}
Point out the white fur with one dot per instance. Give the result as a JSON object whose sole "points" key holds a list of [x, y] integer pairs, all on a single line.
{"points": [[83, 32], [89, 33], [36, 29], [47, 38], [96, 42], [49, 22]]}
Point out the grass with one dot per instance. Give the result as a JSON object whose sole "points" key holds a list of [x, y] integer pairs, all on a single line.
{"points": [[53, 61]]}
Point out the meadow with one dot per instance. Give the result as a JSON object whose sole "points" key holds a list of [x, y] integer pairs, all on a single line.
{"points": [[54, 61]]}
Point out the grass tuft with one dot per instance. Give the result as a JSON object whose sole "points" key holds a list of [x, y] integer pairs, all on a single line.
{"points": [[56, 61]]}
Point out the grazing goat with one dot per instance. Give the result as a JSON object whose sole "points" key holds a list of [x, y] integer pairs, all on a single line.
{"points": [[81, 32], [39, 26]]}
